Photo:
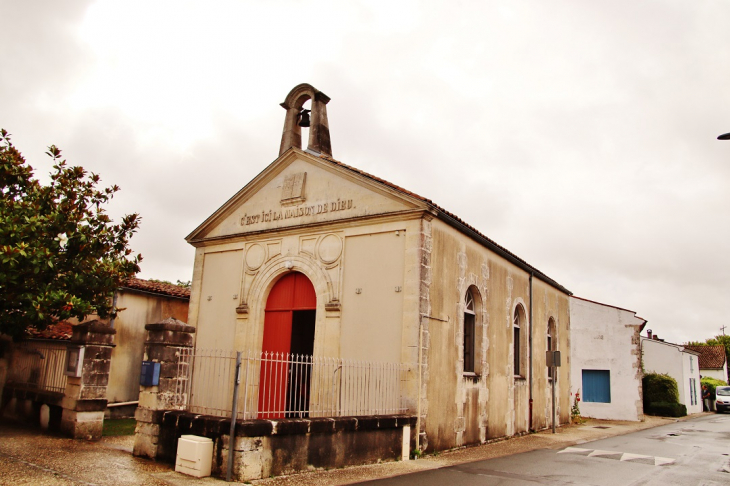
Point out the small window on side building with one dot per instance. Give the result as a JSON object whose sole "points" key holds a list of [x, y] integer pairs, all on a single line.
{"points": [[518, 337], [469, 334], [597, 386]]}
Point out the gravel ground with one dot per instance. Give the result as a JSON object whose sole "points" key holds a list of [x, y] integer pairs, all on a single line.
{"points": [[29, 457]]}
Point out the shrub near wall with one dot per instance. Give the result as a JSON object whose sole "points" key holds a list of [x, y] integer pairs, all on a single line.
{"points": [[661, 396], [711, 384]]}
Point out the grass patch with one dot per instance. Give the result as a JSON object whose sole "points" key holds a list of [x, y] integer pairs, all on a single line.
{"points": [[118, 427]]}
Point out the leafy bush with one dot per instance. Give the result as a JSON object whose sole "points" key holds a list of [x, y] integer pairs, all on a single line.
{"points": [[711, 384], [659, 388], [61, 255], [666, 409]]}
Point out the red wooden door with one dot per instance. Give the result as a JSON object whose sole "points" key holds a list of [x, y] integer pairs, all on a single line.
{"points": [[293, 292]]}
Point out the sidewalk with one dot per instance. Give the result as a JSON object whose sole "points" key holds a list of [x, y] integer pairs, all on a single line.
{"points": [[29, 457], [565, 436]]}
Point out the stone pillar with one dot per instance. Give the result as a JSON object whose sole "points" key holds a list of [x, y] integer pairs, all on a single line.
{"points": [[169, 343], [84, 400]]}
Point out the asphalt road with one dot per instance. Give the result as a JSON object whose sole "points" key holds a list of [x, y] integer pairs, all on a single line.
{"points": [[691, 452]]}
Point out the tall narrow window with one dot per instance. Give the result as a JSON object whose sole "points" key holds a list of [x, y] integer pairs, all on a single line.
{"points": [[469, 333], [550, 343], [516, 343]]}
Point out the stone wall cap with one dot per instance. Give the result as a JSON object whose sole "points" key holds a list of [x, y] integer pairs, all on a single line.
{"points": [[170, 324], [96, 326]]}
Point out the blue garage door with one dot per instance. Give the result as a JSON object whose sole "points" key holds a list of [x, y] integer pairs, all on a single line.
{"points": [[597, 386]]}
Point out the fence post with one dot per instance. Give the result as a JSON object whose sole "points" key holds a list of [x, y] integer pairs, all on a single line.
{"points": [[84, 399], [234, 407], [166, 343]]}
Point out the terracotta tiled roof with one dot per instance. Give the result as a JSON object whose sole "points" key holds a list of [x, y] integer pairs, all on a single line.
{"points": [[60, 331], [157, 288], [711, 357], [453, 218]]}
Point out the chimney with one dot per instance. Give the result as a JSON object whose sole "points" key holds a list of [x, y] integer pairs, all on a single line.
{"points": [[656, 338], [648, 333]]}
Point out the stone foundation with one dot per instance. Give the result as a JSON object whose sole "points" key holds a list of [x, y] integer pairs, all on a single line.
{"points": [[265, 448]]}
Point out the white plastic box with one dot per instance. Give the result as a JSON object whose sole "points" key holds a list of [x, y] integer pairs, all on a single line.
{"points": [[194, 456]]}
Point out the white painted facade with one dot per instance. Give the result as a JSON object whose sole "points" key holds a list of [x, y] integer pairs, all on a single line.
{"points": [[679, 363], [605, 337], [718, 374]]}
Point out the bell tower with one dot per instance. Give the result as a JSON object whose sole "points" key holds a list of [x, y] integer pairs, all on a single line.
{"points": [[319, 132]]}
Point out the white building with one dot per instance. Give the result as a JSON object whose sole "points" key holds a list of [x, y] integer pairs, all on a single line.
{"points": [[606, 360], [680, 363], [713, 361]]}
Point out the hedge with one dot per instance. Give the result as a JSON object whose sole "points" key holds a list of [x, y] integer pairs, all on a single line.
{"points": [[666, 409], [659, 388]]}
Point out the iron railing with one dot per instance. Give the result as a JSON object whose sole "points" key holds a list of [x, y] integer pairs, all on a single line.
{"points": [[281, 385], [39, 365]]}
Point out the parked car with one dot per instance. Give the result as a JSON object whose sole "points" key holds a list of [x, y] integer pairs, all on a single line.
{"points": [[722, 398]]}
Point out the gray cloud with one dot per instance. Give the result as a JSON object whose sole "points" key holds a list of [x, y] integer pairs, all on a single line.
{"points": [[581, 136]]}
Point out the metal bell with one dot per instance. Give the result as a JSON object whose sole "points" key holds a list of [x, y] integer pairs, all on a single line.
{"points": [[304, 118]]}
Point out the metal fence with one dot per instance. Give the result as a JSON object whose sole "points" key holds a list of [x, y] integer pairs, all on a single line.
{"points": [[39, 365], [278, 385]]}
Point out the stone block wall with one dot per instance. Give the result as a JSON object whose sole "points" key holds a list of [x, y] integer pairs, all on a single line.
{"points": [[165, 342], [84, 399], [265, 448]]}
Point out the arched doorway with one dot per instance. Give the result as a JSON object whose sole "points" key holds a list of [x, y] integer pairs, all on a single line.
{"points": [[287, 348]]}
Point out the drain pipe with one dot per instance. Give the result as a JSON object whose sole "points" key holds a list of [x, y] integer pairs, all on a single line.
{"points": [[114, 309], [420, 374], [529, 425]]}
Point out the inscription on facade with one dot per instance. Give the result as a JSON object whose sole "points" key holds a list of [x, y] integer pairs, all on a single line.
{"points": [[297, 212], [292, 192]]}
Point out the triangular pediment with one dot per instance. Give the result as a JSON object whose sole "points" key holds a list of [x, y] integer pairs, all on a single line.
{"points": [[303, 189]]}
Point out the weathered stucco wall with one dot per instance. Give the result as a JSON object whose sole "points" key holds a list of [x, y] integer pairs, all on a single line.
{"points": [[372, 297], [604, 337], [468, 408], [217, 299], [716, 374], [126, 364], [549, 303]]}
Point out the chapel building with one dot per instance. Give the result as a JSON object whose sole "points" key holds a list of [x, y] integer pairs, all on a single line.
{"points": [[317, 258]]}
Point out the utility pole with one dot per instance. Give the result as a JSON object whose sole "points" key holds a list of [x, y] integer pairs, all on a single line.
{"points": [[723, 330], [552, 359]]}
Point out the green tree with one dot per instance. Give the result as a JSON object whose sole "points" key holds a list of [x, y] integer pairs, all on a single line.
{"points": [[61, 255]]}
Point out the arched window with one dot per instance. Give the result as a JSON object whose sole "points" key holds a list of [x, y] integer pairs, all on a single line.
{"points": [[551, 343], [517, 340], [469, 333]]}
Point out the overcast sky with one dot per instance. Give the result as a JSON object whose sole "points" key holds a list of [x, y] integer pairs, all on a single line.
{"points": [[579, 135]]}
